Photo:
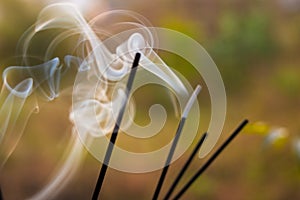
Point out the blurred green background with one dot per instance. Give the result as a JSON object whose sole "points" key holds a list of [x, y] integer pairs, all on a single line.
{"points": [[255, 45]]}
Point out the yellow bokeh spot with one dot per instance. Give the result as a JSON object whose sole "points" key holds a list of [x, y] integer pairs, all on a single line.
{"points": [[259, 128]]}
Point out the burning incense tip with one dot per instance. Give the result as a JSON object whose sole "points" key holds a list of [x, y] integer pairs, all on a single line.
{"points": [[175, 141], [191, 101]]}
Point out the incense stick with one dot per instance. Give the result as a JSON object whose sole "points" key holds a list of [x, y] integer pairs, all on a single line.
{"points": [[211, 159], [186, 165], [175, 141], [1, 196], [116, 129]]}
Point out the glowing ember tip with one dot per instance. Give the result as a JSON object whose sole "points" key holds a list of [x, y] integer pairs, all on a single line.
{"points": [[175, 141], [191, 101]]}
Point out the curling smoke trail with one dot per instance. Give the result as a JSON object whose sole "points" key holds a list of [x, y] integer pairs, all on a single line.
{"points": [[99, 88], [12, 103], [14, 95], [95, 63]]}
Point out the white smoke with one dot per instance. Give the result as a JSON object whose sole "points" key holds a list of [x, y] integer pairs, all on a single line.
{"points": [[92, 115], [102, 68]]}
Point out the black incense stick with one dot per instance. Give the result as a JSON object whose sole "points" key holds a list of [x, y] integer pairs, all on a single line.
{"points": [[116, 129], [175, 141], [1, 196], [211, 159], [186, 165]]}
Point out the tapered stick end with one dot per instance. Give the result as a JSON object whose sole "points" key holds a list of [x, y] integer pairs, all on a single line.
{"points": [[136, 60]]}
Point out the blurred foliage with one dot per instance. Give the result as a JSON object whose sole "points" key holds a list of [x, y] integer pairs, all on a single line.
{"points": [[288, 81], [181, 24], [241, 42], [16, 16]]}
